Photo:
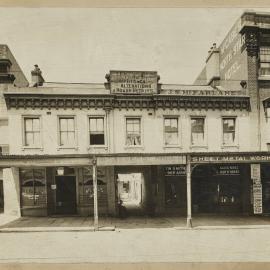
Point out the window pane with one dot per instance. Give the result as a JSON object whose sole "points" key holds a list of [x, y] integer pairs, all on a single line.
{"points": [[36, 138], [100, 126], [133, 139], [197, 138], [171, 138], [71, 124], [63, 138], [28, 124], [35, 124], [97, 139], [197, 125], [71, 138], [29, 139], [63, 124], [93, 124]]}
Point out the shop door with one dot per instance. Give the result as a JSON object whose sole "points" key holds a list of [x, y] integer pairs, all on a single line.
{"points": [[65, 194]]}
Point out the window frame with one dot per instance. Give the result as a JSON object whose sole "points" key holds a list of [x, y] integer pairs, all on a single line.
{"points": [[178, 131], [75, 146], [40, 145], [264, 61], [35, 205], [235, 143], [105, 131], [204, 143], [141, 131]]}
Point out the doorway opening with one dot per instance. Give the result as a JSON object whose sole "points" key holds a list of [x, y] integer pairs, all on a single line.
{"points": [[129, 186], [65, 195]]}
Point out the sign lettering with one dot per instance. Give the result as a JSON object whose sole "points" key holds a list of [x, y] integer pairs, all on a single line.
{"points": [[133, 82]]}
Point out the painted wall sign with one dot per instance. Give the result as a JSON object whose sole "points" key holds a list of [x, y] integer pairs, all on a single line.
{"points": [[228, 170], [233, 58], [233, 158], [203, 92], [175, 170], [133, 82]]}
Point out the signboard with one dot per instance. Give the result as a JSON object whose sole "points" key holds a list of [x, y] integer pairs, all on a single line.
{"points": [[175, 170], [133, 82], [230, 158], [255, 171], [228, 170], [257, 198], [185, 92]]}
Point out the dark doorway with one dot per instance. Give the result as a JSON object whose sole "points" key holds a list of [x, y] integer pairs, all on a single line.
{"points": [[65, 194]]}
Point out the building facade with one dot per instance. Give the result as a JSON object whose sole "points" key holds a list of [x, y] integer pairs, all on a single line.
{"points": [[137, 144]]}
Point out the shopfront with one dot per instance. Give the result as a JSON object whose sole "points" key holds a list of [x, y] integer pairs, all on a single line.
{"points": [[62, 191], [221, 189]]}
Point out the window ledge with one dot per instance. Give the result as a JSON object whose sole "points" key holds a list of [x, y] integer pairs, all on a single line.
{"points": [[172, 146], [134, 147], [32, 148], [67, 147], [198, 147], [229, 146], [97, 146]]}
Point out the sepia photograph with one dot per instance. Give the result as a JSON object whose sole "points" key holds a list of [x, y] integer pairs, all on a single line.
{"points": [[134, 136]]}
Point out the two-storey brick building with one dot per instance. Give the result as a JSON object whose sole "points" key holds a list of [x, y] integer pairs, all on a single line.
{"points": [[160, 149]]}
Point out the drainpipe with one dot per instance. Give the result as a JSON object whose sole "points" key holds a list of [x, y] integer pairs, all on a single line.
{"points": [[189, 218], [95, 193]]}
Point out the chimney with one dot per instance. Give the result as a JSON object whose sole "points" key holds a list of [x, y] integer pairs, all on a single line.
{"points": [[37, 79], [212, 65]]}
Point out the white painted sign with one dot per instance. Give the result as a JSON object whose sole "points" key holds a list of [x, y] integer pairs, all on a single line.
{"points": [[255, 171], [257, 198]]}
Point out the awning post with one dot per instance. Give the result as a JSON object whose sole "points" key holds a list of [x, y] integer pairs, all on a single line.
{"points": [[189, 218], [95, 193]]}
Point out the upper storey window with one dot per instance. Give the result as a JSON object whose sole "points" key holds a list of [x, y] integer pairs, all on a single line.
{"points": [[197, 130], [265, 61], [96, 130], [133, 131], [67, 131], [171, 131], [228, 131], [32, 132]]}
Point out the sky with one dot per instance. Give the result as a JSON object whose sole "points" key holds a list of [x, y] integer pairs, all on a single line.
{"points": [[83, 44]]}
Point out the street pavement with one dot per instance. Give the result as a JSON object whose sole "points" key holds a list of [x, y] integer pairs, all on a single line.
{"points": [[137, 245]]}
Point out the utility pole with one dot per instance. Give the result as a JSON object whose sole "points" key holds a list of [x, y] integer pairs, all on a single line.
{"points": [[95, 193], [189, 218]]}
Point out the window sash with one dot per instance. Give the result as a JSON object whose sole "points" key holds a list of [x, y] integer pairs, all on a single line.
{"points": [[67, 133], [32, 132], [229, 130], [197, 131], [133, 131], [171, 131]]}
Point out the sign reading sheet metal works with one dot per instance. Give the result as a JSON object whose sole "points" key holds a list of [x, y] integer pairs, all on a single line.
{"points": [[133, 82]]}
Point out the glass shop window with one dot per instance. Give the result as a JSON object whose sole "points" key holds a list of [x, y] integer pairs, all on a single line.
{"points": [[67, 131], [86, 186], [228, 131], [171, 131], [33, 187], [96, 131], [264, 61], [133, 131], [32, 132], [197, 131]]}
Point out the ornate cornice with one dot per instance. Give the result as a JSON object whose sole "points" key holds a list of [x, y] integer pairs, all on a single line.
{"points": [[108, 102]]}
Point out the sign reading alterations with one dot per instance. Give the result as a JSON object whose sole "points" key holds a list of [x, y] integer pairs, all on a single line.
{"points": [[133, 82]]}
